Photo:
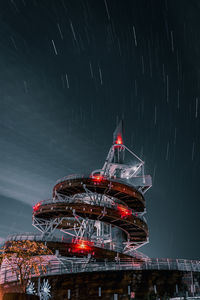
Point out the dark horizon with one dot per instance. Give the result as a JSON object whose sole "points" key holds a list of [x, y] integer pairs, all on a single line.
{"points": [[69, 71]]}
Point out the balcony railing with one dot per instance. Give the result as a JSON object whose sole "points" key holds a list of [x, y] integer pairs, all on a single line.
{"points": [[63, 239], [66, 265], [136, 181]]}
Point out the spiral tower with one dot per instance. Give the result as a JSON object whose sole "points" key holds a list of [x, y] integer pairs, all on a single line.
{"points": [[95, 223], [99, 215]]}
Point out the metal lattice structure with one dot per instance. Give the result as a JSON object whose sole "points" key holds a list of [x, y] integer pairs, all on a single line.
{"points": [[103, 210], [96, 223]]}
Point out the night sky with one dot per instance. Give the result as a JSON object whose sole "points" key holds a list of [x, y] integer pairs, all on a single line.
{"points": [[69, 69]]}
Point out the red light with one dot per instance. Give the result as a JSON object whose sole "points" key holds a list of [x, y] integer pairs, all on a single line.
{"points": [[36, 206], [124, 211], [97, 178], [119, 140], [82, 246]]}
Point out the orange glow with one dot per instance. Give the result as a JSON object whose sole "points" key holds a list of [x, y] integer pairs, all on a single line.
{"points": [[36, 206], [124, 211]]}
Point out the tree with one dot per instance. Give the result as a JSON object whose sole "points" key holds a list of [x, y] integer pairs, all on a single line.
{"points": [[25, 258]]}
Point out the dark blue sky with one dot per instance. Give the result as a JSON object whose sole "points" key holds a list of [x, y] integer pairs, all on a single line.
{"points": [[69, 70]]}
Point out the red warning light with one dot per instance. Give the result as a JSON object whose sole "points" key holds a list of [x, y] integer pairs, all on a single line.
{"points": [[36, 206], [119, 140], [83, 246], [124, 211], [97, 178]]}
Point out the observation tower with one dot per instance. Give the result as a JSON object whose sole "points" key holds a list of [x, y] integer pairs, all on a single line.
{"points": [[94, 225], [100, 214]]}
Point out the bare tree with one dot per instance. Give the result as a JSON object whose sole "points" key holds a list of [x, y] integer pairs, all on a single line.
{"points": [[25, 259]]}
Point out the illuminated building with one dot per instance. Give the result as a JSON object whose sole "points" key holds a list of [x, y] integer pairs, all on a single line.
{"points": [[95, 225]]}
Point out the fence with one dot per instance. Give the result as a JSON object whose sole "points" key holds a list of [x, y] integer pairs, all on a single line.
{"points": [[67, 265]]}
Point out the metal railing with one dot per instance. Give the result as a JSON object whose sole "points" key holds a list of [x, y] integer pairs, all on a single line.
{"points": [[113, 203], [136, 181], [33, 237], [66, 265], [73, 176], [63, 239]]}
